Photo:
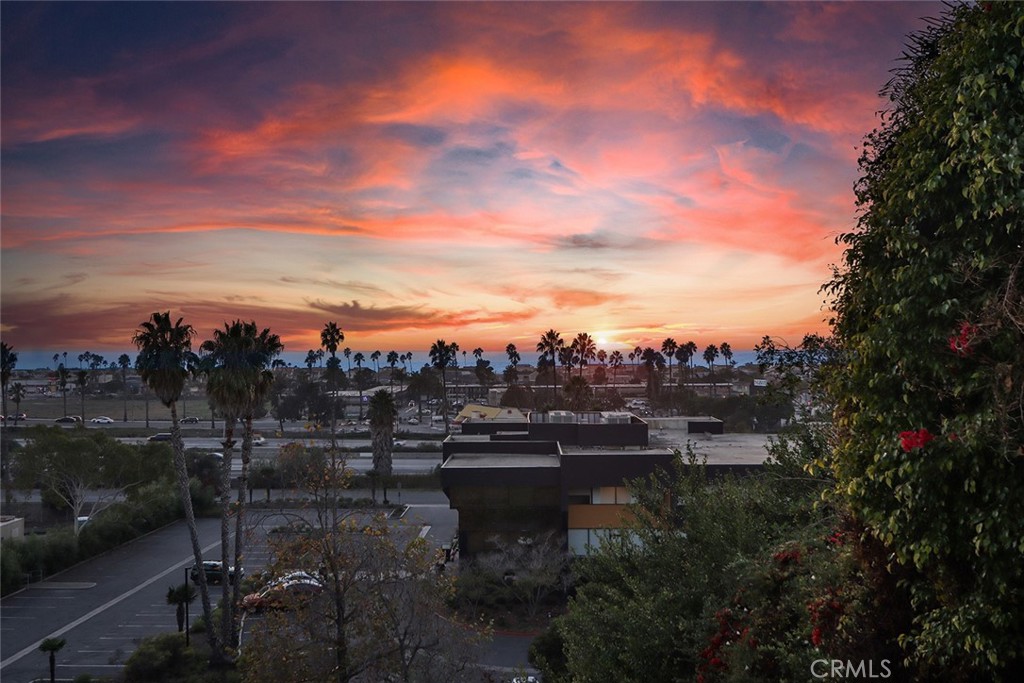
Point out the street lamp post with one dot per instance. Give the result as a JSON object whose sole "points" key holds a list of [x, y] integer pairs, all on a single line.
{"points": [[186, 608]]}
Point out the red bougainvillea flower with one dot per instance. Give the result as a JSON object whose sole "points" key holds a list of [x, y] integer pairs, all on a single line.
{"points": [[960, 343], [816, 636], [914, 439]]}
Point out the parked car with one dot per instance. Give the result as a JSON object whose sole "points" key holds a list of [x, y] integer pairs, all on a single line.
{"points": [[284, 591], [258, 440], [102, 420], [413, 420], [190, 420], [68, 419], [160, 436], [215, 573]]}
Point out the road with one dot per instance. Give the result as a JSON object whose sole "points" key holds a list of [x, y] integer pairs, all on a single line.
{"points": [[104, 606]]}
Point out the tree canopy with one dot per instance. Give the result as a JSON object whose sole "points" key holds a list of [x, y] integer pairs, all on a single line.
{"points": [[929, 312]]}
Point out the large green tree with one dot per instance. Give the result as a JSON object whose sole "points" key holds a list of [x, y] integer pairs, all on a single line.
{"points": [[164, 361], [930, 311]]}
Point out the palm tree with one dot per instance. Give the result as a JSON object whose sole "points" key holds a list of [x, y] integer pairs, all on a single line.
{"points": [[179, 596], [392, 362], [8, 359], [726, 351], [63, 376], [584, 349], [81, 380], [710, 354], [164, 361], [262, 348], [566, 355], [653, 362], [548, 347], [124, 361], [18, 392], [52, 646], [616, 361], [669, 348], [348, 356], [330, 339], [232, 369], [374, 357], [359, 358], [513, 362], [383, 413], [441, 356]]}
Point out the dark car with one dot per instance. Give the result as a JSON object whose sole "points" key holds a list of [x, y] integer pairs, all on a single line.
{"points": [[68, 419], [162, 436], [215, 573], [190, 420]]}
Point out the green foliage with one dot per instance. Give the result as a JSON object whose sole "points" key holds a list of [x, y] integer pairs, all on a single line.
{"points": [[164, 659], [641, 612], [930, 312]]}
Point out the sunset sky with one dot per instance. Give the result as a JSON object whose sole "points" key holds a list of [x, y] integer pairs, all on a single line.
{"points": [[467, 171]]}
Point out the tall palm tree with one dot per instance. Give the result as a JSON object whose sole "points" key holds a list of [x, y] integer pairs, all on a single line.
{"points": [[382, 413], [262, 349], [81, 381], [8, 359], [653, 362], [584, 349], [359, 358], [669, 348], [229, 385], [164, 361], [513, 360], [330, 339], [392, 362], [566, 355], [375, 357], [124, 361], [616, 361], [548, 347], [63, 378], [726, 351], [710, 354], [348, 356], [441, 356]]}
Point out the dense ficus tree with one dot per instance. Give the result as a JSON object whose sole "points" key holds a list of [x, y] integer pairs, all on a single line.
{"points": [[930, 313]]}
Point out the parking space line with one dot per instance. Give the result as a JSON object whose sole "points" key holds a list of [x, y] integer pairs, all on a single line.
{"points": [[110, 603]]}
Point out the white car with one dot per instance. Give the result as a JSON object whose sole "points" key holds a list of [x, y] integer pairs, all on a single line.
{"points": [[258, 440], [102, 420]]}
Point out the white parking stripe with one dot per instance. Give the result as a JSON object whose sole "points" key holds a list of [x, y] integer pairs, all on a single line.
{"points": [[81, 620]]}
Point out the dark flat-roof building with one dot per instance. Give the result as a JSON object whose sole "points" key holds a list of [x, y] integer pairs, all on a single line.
{"points": [[559, 472]]}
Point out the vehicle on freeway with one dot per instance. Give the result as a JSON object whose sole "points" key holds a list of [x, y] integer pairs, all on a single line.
{"points": [[68, 419], [284, 591], [413, 420], [215, 572], [102, 420], [190, 420], [160, 436], [258, 440]]}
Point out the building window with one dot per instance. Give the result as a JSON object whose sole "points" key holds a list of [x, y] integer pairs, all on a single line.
{"points": [[611, 495]]}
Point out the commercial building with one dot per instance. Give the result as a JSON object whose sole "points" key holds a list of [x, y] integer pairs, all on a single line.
{"points": [[560, 472]]}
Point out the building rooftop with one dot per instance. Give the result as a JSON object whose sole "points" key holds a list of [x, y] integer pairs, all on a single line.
{"points": [[497, 460], [720, 449]]}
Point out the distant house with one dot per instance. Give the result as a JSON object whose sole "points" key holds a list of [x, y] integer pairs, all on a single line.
{"points": [[558, 472]]}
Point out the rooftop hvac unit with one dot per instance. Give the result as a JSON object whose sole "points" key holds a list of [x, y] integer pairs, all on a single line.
{"points": [[560, 417], [617, 418]]}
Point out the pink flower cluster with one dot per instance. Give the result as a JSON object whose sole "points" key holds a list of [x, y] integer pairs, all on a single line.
{"points": [[914, 439], [960, 343]]}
